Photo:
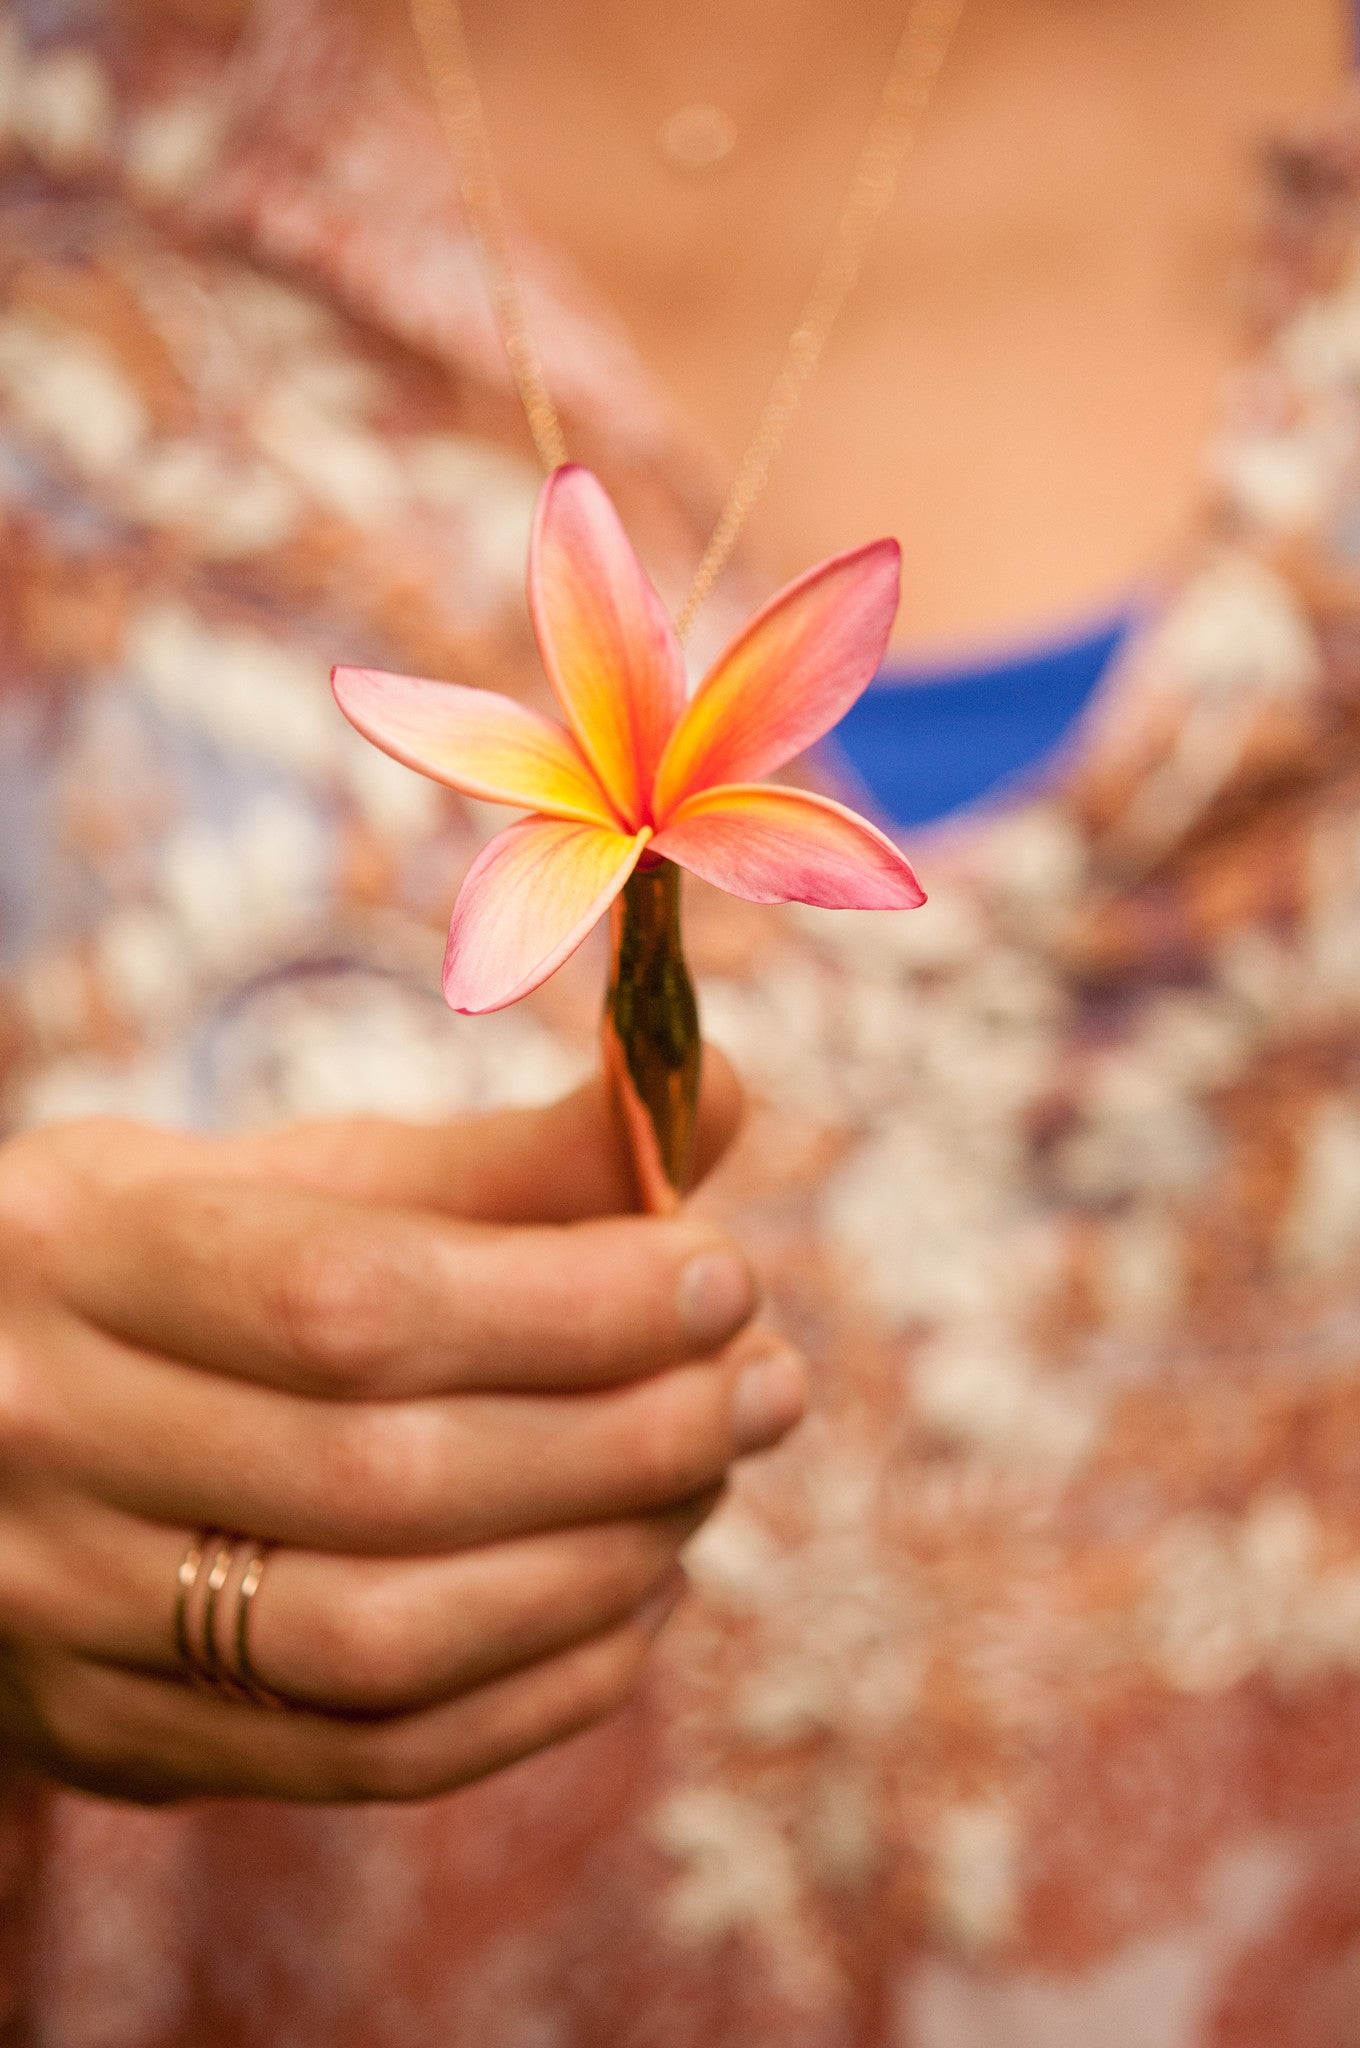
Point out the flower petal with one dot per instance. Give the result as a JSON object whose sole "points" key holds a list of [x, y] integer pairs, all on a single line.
{"points": [[609, 649], [787, 677], [475, 740], [775, 845], [528, 900]]}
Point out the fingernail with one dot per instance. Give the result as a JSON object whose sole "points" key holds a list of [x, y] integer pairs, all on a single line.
{"points": [[664, 1600], [769, 1398], [717, 1295]]}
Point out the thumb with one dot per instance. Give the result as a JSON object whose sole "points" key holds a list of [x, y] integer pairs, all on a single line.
{"points": [[553, 1165]]}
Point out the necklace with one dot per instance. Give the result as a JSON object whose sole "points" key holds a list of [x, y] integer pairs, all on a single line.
{"points": [[916, 65]]}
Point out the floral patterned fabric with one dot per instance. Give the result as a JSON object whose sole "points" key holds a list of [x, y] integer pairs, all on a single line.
{"points": [[1018, 1698]]}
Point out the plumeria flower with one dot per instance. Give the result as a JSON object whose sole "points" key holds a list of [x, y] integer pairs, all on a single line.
{"points": [[639, 774]]}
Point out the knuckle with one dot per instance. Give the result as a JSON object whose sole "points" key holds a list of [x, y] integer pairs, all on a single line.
{"points": [[376, 1470], [38, 1195], [364, 1647], [25, 1433], [623, 1565], [332, 1308], [597, 1345], [675, 1442], [602, 1678], [611, 1336], [385, 1762], [603, 1317], [605, 1294], [26, 1595], [622, 1289]]}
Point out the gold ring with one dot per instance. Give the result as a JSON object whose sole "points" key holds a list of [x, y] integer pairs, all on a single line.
{"points": [[212, 1632], [246, 1674], [191, 1565], [216, 1667]]}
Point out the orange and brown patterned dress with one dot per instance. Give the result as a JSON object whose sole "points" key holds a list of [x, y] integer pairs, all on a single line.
{"points": [[1018, 1701]]}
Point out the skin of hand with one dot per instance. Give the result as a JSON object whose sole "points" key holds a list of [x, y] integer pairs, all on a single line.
{"points": [[476, 1409]]}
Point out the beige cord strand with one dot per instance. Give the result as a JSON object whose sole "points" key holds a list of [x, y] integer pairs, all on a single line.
{"points": [[917, 63], [443, 43]]}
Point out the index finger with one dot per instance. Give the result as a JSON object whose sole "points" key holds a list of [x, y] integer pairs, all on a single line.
{"points": [[327, 1297]]}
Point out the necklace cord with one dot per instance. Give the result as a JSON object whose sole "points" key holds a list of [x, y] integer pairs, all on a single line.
{"points": [[907, 92], [458, 101]]}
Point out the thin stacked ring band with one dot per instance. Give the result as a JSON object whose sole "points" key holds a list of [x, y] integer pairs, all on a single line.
{"points": [[212, 1635]]}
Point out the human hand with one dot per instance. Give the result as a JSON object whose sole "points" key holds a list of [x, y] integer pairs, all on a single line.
{"points": [[477, 1414]]}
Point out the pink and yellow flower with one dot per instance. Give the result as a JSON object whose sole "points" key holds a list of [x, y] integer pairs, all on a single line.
{"points": [[639, 774]]}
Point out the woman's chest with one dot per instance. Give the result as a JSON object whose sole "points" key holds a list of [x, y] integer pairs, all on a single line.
{"points": [[1022, 383]]}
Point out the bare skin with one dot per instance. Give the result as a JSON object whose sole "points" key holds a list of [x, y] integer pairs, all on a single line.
{"points": [[478, 1410], [1023, 383]]}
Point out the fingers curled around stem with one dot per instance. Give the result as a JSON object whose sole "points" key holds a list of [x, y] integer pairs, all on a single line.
{"points": [[125, 1733]]}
